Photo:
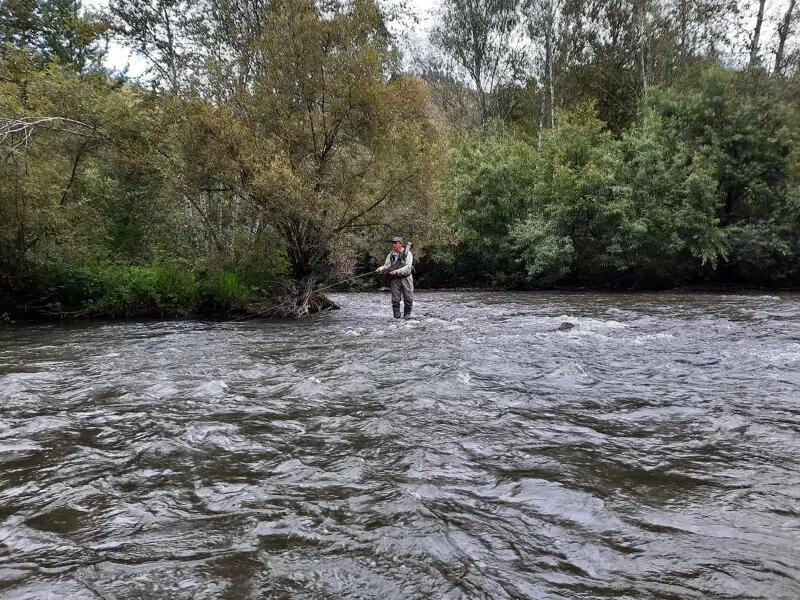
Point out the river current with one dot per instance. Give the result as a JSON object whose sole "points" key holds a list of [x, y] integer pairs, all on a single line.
{"points": [[494, 446]]}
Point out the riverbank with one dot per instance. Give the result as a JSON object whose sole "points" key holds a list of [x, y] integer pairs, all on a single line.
{"points": [[65, 292], [252, 310], [699, 288]]}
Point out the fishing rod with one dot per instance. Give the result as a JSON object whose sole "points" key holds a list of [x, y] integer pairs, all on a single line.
{"points": [[325, 287]]}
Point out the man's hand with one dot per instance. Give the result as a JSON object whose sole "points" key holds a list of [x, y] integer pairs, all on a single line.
{"points": [[380, 269], [392, 273]]}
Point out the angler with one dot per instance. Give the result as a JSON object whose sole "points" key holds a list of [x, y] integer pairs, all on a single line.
{"points": [[399, 265]]}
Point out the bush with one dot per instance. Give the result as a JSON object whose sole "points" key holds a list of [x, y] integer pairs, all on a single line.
{"points": [[120, 291], [489, 182]]}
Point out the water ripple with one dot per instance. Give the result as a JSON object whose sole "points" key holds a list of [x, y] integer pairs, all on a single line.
{"points": [[496, 446]]}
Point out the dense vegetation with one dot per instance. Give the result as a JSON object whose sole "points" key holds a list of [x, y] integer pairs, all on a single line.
{"points": [[701, 187], [618, 144]]}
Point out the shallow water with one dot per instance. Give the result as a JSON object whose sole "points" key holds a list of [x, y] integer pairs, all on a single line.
{"points": [[495, 446]]}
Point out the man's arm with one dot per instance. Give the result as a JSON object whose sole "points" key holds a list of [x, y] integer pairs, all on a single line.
{"points": [[385, 264]]}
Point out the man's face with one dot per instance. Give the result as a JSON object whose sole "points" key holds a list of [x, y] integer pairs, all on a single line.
{"points": [[397, 246]]}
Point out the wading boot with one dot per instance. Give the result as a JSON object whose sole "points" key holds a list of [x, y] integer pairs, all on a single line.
{"points": [[407, 311], [396, 310]]}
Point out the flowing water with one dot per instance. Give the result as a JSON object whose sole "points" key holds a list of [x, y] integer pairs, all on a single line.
{"points": [[495, 446]]}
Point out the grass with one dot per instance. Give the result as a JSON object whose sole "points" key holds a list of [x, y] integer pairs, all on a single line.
{"points": [[157, 290]]}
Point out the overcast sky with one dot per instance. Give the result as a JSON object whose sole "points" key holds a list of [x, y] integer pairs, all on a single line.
{"points": [[119, 57]]}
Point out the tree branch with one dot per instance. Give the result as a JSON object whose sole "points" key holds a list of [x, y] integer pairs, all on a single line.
{"points": [[385, 196], [25, 126], [84, 147]]}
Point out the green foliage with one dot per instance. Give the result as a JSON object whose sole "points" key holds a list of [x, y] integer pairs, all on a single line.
{"points": [[225, 288], [489, 182], [748, 133], [350, 145], [638, 210], [763, 251], [477, 38], [255, 173], [255, 272], [572, 209], [121, 291], [704, 185], [738, 118], [116, 291], [77, 179], [285, 140], [72, 36], [665, 207], [20, 23], [54, 31]]}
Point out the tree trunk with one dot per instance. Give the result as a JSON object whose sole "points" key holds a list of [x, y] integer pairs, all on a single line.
{"points": [[684, 27], [783, 33], [757, 33], [171, 55], [477, 74], [484, 105], [542, 113], [643, 44], [304, 244], [547, 75], [550, 36]]}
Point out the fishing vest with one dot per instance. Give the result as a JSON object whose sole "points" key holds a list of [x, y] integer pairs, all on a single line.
{"points": [[399, 263]]}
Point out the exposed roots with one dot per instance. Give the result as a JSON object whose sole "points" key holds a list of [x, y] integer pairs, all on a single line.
{"points": [[295, 299]]}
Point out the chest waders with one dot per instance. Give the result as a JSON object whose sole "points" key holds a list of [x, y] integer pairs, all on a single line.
{"points": [[402, 286]]}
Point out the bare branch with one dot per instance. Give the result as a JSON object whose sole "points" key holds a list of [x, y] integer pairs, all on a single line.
{"points": [[18, 131]]}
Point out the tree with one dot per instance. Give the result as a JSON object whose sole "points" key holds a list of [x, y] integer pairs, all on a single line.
{"points": [[72, 36], [543, 21], [640, 210], [612, 52], [163, 32], [749, 138], [754, 42], [326, 139], [478, 36], [564, 227], [59, 31], [700, 28], [20, 23], [490, 183], [785, 28], [48, 127], [605, 65], [452, 100]]}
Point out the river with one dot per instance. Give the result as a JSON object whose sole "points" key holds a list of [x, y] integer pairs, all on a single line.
{"points": [[495, 446]]}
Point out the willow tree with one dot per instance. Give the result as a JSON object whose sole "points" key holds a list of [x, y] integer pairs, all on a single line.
{"points": [[326, 137]]}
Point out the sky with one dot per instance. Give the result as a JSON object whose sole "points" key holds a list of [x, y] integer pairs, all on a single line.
{"points": [[414, 32], [119, 57]]}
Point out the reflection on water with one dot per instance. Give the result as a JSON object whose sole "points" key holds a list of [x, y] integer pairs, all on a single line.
{"points": [[496, 446]]}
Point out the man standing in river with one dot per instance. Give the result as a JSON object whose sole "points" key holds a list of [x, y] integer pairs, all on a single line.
{"points": [[398, 264]]}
